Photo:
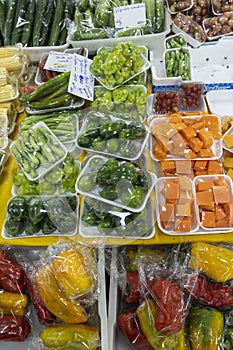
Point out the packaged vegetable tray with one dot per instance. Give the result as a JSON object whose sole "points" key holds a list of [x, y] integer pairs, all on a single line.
{"points": [[119, 183]]}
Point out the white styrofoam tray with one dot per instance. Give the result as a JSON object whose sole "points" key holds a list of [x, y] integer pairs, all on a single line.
{"points": [[211, 63], [220, 102]]}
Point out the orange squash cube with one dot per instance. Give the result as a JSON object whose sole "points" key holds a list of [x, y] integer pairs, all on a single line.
{"points": [[188, 132], [183, 167], [228, 208], [167, 212], [208, 219], [205, 185], [221, 194], [183, 209], [171, 190], [168, 165], [182, 224], [205, 153], [200, 165], [206, 137], [159, 151], [205, 199], [214, 167], [196, 144]]}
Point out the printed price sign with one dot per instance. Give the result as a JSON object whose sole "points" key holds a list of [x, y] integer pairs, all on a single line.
{"points": [[81, 81], [59, 61], [130, 15]]}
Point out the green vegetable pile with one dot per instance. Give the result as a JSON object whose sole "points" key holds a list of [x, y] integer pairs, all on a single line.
{"points": [[115, 66], [52, 94], [112, 136], [122, 99], [177, 63], [32, 215], [35, 149], [35, 23], [114, 180], [112, 220], [62, 124], [176, 42], [95, 19], [61, 178]]}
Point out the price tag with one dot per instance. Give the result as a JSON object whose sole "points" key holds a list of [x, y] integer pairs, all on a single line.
{"points": [[130, 15], [59, 61], [81, 81]]}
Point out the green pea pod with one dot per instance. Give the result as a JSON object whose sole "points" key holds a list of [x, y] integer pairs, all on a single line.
{"points": [[205, 328]]}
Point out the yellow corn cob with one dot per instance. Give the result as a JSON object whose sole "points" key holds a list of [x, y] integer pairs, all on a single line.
{"points": [[11, 63], [7, 92], [9, 105], [9, 51]]}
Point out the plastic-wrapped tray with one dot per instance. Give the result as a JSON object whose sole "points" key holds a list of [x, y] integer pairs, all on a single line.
{"points": [[3, 131], [178, 6], [194, 33], [213, 195], [39, 74], [218, 26], [175, 206], [219, 7], [124, 193], [197, 137], [113, 136], [145, 67], [77, 104], [151, 41], [54, 215], [122, 223], [53, 152], [175, 41], [177, 63]]}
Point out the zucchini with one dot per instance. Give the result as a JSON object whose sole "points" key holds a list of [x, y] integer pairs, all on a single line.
{"points": [[56, 23], [61, 101], [47, 19], [38, 24], [28, 27], [9, 22]]}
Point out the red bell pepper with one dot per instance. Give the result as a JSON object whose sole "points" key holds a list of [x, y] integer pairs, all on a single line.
{"points": [[170, 306], [209, 293], [129, 325], [43, 314], [12, 275], [14, 328], [132, 293]]}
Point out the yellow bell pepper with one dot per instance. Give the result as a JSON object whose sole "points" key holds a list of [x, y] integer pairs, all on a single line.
{"points": [[213, 260], [13, 303], [56, 300], [70, 337], [205, 328], [74, 272]]}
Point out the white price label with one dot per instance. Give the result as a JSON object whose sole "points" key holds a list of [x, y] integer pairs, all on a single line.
{"points": [[130, 15], [81, 81], [59, 61]]}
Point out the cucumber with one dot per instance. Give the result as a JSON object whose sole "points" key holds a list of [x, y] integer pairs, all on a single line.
{"points": [[28, 27], [56, 23], [9, 22], [19, 21], [38, 24], [150, 11], [159, 16], [47, 19], [102, 13], [3, 11]]}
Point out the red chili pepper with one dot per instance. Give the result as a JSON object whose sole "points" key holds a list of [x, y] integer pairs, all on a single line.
{"points": [[12, 276], [209, 293], [14, 328], [43, 314], [129, 325], [29, 89], [132, 293], [170, 314]]}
